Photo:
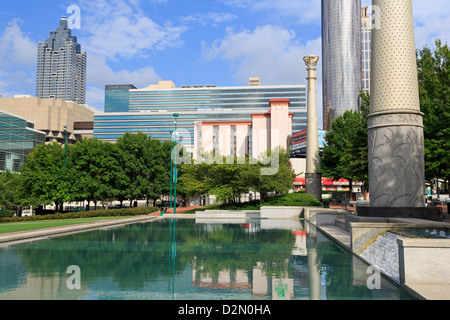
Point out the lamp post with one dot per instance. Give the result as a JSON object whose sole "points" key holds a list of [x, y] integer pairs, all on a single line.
{"points": [[171, 168], [64, 168], [65, 150], [175, 175]]}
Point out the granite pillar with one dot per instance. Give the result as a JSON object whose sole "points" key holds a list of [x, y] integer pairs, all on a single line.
{"points": [[395, 123], [313, 178]]}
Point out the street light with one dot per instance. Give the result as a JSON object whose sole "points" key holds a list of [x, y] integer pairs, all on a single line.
{"points": [[175, 176], [171, 169], [65, 150], [64, 168]]}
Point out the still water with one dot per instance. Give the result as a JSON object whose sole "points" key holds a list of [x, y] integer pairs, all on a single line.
{"points": [[190, 260]]}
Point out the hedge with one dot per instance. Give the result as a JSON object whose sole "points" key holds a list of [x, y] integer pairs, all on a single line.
{"points": [[85, 214], [297, 199], [6, 213]]}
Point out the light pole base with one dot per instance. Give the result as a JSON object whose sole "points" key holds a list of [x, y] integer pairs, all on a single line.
{"points": [[314, 185]]}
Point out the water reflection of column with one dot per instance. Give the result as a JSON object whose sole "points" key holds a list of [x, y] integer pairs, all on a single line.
{"points": [[314, 275], [172, 256], [260, 283], [300, 244]]}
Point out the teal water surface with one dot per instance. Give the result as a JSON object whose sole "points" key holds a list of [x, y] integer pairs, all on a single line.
{"points": [[191, 260]]}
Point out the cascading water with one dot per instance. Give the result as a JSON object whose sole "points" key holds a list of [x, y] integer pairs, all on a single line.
{"points": [[383, 253]]}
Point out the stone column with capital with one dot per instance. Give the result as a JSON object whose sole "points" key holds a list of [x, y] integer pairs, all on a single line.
{"points": [[313, 178], [395, 123]]}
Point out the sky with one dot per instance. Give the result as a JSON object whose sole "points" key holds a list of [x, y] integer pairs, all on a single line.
{"points": [[221, 42]]}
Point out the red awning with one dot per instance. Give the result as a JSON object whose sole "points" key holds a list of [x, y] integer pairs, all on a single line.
{"points": [[325, 182]]}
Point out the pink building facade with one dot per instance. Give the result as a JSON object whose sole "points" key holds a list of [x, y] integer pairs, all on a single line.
{"points": [[264, 132]]}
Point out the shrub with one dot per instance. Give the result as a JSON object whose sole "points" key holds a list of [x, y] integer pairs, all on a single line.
{"points": [[85, 214], [6, 213], [296, 199]]}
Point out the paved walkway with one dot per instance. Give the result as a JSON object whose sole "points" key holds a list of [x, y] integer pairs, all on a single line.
{"points": [[179, 210], [342, 206]]}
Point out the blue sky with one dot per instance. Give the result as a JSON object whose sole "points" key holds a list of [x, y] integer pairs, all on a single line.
{"points": [[222, 42]]}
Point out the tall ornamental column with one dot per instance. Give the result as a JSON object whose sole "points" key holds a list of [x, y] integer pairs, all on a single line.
{"points": [[313, 178], [395, 123]]}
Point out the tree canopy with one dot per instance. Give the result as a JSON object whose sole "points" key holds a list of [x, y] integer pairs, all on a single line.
{"points": [[230, 178], [135, 167], [45, 177], [97, 171], [345, 154], [345, 151], [434, 89]]}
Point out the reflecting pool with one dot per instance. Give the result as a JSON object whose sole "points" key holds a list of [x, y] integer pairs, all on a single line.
{"points": [[185, 259]]}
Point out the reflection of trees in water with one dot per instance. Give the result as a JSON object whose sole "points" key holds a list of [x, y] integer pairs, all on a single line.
{"points": [[137, 254]]}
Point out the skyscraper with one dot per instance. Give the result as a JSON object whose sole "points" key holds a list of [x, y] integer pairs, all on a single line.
{"points": [[366, 36], [341, 57], [61, 67]]}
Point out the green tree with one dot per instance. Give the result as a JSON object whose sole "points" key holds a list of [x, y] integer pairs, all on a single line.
{"points": [[345, 153], [45, 177], [434, 89], [96, 171], [226, 180], [194, 178], [144, 164], [356, 150], [229, 177], [222, 178], [163, 179], [9, 189], [158, 173], [280, 180]]}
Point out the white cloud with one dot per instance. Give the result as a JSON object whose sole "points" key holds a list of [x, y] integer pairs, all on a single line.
{"points": [[432, 22], [298, 12], [95, 97], [16, 48], [272, 53], [100, 74], [118, 33], [206, 18], [119, 29], [18, 61]]}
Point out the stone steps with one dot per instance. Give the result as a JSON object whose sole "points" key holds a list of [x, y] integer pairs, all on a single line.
{"points": [[341, 224]]}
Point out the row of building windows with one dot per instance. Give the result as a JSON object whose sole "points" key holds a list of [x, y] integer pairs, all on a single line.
{"points": [[17, 139], [128, 109]]}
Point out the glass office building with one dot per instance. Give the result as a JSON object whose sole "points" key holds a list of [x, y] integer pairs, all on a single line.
{"points": [[17, 139], [151, 110], [117, 97], [366, 48], [341, 57]]}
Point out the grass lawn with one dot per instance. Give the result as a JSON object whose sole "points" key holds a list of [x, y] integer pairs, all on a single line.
{"points": [[36, 225]]}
